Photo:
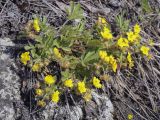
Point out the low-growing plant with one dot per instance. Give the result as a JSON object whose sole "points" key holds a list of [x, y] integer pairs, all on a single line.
{"points": [[122, 23], [86, 56], [146, 6]]}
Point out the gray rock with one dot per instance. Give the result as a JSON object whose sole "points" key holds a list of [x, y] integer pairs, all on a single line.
{"points": [[102, 109], [69, 113], [115, 3], [9, 93], [9, 85], [104, 105], [47, 114], [52, 111]]}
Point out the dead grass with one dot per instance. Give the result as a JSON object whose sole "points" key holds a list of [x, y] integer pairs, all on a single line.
{"points": [[134, 91]]}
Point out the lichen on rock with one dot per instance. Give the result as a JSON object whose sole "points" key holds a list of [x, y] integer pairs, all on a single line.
{"points": [[9, 82]]}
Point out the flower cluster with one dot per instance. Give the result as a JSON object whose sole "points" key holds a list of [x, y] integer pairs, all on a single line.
{"points": [[129, 58], [122, 42], [36, 25], [78, 55], [68, 83], [55, 96], [127, 42], [39, 92], [145, 50], [82, 87], [109, 59], [106, 33], [41, 103], [36, 67], [96, 82], [25, 57], [49, 79], [57, 53], [132, 38], [101, 21]]}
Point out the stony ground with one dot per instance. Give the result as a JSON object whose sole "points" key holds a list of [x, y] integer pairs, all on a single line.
{"points": [[138, 94], [13, 107]]}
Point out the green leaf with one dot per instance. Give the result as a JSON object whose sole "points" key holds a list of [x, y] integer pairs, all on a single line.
{"points": [[82, 71], [53, 43], [145, 6], [81, 25], [33, 53], [38, 39], [66, 49], [27, 47], [74, 12], [122, 23], [94, 43], [66, 75], [90, 56]]}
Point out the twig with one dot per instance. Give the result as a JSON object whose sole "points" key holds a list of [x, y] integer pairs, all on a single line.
{"points": [[50, 5], [4, 7]]}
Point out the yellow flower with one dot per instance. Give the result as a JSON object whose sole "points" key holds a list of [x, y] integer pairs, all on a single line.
{"points": [[101, 20], [81, 87], [113, 63], [55, 96], [41, 103], [35, 67], [96, 82], [122, 42], [130, 116], [131, 36], [102, 54], [25, 57], [57, 53], [68, 83], [36, 25], [114, 66], [106, 33], [137, 29], [49, 79], [129, 58], [111, 59], [106, 59], [39, 92], [87, 96], [145, 50]]}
